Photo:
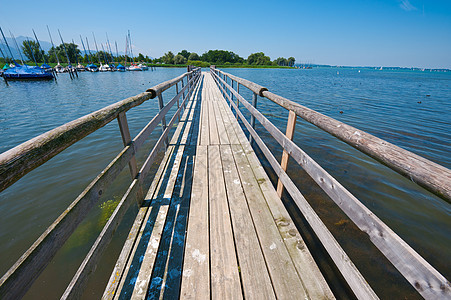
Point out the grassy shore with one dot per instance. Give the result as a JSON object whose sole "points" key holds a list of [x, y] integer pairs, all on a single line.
{"points": [[196, 63]]}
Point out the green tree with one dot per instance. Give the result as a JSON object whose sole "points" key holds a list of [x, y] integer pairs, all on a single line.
{"points": [[291, 61], [259, 58], [72, 51], [31, 49], [168, 58], [184, 53], [193, 56], [141, 57], [179, 59], [219, 57], [280, 61]]}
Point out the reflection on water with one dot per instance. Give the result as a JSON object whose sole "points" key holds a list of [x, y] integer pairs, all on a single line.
{"points": [[391, 105]]}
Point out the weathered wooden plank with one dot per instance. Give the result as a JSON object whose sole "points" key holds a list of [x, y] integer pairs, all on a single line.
{"points": [[214, 135], [313, 281], [205, 129], [291, 124], [285, 279], [254, 274], [228, 121], [119, 268], [225, 280], [223, 137], [148, 261], [196, 266]]}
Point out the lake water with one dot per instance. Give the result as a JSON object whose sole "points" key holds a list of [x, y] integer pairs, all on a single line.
{"points": [[407, 108]]}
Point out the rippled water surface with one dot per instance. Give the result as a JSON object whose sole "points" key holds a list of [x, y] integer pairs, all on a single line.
{"points": [[410, 109]]}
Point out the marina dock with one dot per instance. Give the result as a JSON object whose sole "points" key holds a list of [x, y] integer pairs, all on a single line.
{"points": [[212, 225]]}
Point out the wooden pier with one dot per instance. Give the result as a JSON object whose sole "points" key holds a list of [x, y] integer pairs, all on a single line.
{"points": [[240, 240], [211, 224]]}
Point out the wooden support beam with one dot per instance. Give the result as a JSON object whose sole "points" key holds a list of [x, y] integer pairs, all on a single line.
{"points": [[291, 124], [126, 139]]}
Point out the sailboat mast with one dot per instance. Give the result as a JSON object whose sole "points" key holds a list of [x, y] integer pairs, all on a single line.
{"points": [[53, 45], [131, 50], [117, 52], [31, 50], [17, 46], [40, 48], [97, 49], [126, 48], [86, 53], [90, 54], [64, 46], [104, 54], [76, 54], [9, 49], [3, 55], [111, 52]]}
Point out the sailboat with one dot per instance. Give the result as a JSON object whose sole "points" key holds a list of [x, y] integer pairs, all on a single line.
{"points": [[45, 66], [79, 67], [133, 66], [71, 69], [23, 72], [102, 67], [119, 67], [112, 65], [91, 66]]}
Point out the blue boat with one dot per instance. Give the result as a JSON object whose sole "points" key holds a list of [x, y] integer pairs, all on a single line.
{"points": [[25, 72], [120, 68], [92, 68]]}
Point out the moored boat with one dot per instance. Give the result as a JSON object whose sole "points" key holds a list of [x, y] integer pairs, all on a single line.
{"points": [[104, 68], [92, 68], [134, 67], [27, 73], [80, 68], [144, 67], [120, 68]]}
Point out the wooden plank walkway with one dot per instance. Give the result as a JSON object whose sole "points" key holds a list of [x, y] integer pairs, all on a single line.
{"points": [[212, 224]]}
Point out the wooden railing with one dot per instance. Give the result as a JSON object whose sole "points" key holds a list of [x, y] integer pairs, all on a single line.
{"points": [[435, 178], [20, 160]]}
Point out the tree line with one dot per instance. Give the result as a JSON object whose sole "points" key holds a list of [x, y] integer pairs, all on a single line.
{"points": [[223, 57], [62, 53]]}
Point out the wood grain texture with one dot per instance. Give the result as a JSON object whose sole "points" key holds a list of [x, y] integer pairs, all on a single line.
{"points": [[225, 280], [291, 124], [254, 274], [196, 266]]}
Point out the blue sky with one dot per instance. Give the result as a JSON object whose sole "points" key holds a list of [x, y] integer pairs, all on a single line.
{"points": [[362, 32]]}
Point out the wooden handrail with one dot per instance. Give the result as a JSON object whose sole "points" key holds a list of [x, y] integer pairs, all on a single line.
{"points": [[420, 274], [431, 176], [17, 280], [20, 160]]}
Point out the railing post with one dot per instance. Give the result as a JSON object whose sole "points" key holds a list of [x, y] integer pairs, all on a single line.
{"points": [[291, 124], [231, 94], [254, 104], [177, 92], [237, 101], [126, 139], [183, 85], [163, 120]]}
